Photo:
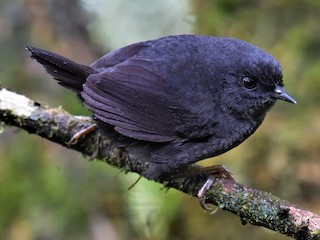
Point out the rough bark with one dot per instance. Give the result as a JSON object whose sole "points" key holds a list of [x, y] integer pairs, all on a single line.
{"points": [[251, 205]]}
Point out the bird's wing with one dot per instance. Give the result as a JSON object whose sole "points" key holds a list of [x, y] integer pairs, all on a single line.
{"points": [[136, 101]]}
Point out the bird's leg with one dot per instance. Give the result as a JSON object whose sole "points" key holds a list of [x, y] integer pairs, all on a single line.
{"points": [[202, 194], [215, 171], [75, 138]]}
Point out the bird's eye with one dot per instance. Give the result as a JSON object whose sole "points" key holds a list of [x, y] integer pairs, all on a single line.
{"points": [[249, 83]]}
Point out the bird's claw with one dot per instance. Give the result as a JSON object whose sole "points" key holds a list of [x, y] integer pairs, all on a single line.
{"points": [[202, 194], [75, 138], [220, 170]]}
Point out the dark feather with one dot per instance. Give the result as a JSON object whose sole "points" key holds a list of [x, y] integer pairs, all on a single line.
{"points": [[134, 99], [68, 73], [179, 99]]}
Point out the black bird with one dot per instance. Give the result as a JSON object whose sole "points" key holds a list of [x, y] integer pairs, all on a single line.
{"points": [[177, 99]]}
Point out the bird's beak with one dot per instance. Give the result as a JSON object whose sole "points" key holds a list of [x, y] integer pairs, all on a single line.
{"points": [[280, 93]]}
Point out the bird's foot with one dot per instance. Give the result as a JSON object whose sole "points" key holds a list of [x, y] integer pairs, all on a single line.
{"points": [[84, 132], [213, 172], [216, 171], [76, 137]]}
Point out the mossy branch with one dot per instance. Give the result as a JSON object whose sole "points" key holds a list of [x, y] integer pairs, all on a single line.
{"points": [[251, 205]]}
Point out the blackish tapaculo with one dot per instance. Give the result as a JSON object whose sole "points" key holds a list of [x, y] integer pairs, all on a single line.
{"points": [[177, 99]]}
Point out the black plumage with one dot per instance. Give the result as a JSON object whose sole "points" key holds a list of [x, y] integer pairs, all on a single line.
{"points": [[178, 99]]}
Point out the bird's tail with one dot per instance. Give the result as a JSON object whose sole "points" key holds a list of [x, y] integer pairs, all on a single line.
{"points": [[68, 73]]}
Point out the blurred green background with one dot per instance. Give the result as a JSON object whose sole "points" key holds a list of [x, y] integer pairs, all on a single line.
{"points": [[48, 192]]}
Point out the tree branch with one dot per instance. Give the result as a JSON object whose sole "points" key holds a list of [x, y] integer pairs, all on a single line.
{"points": [[251, 205]]}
